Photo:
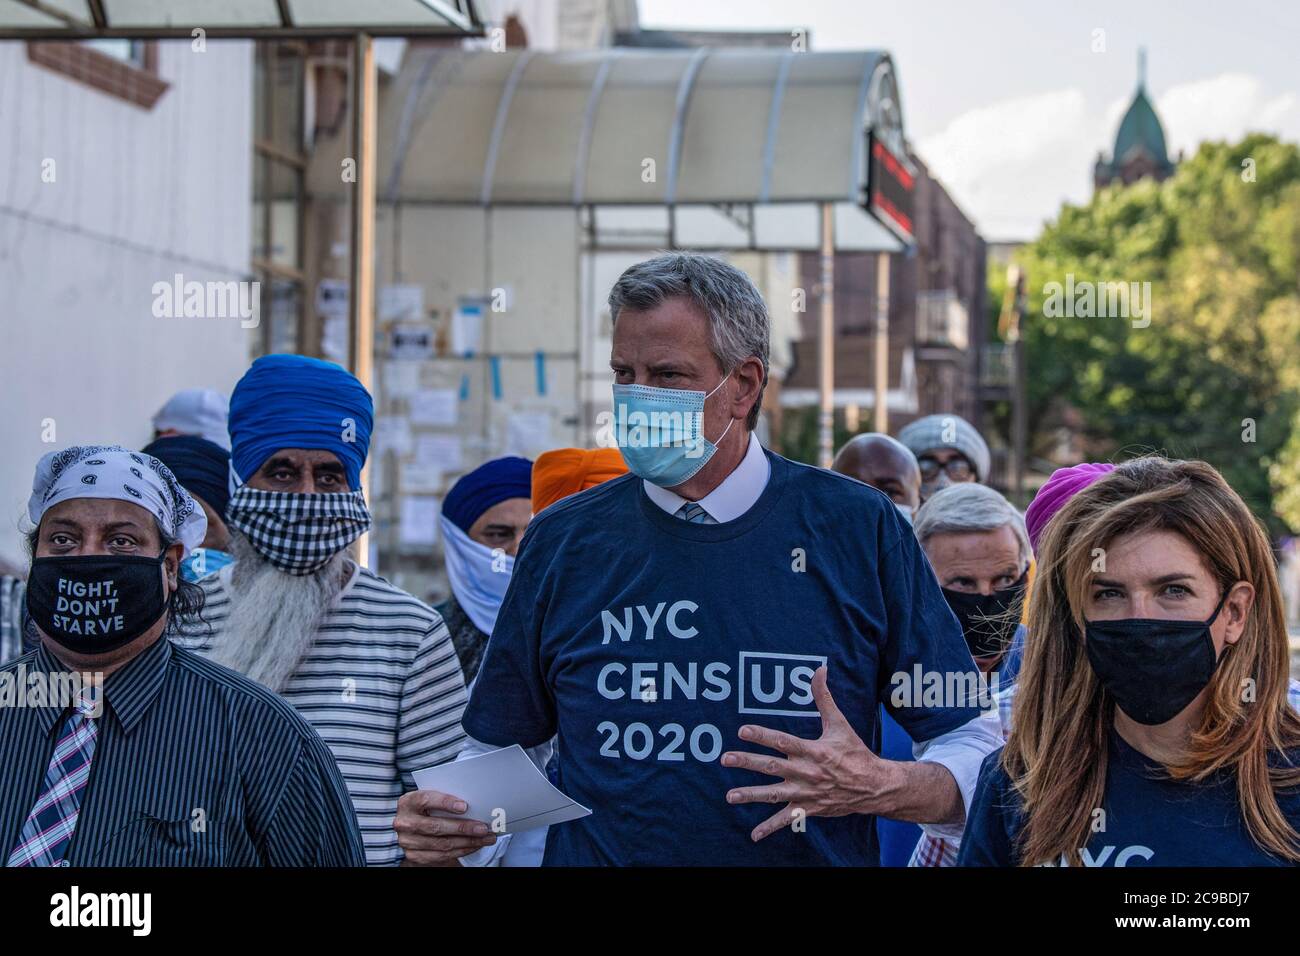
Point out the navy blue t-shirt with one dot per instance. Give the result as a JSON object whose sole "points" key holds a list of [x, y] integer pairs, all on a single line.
{"points": [[898, 838], [645, 641], [1150, 819]]}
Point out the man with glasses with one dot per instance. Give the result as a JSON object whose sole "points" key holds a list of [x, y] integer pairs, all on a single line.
{"points": [[948, 449]]}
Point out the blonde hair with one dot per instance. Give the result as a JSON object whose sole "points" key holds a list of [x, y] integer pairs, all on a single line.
{"points": [[1056, 753]]}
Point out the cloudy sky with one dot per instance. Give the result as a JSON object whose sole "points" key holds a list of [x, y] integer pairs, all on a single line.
{"points": [[1006, 100]]}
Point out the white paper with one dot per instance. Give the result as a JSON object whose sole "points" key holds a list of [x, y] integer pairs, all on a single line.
{"points": [[393, 434], [439, 451], [467, 329], [504, 786], [334, 338], [528, 432], [434, 406], [401, 379], [421, 479], [332, 298], [410, 341], [400, 302], [419, 523]]}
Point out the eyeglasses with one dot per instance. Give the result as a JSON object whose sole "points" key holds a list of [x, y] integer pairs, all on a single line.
{"points": [[958, 469]]}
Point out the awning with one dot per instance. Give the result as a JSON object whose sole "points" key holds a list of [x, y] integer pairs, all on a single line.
{"points": [[81, 19], [629, 126], [739, 146]]}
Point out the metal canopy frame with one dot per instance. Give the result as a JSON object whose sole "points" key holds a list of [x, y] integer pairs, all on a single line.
{"points": [[725, 126], [51, 20]]}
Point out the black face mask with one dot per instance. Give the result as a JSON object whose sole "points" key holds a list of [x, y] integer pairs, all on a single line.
{"points": [[1152, 667], [98, 603], [988, 620]]}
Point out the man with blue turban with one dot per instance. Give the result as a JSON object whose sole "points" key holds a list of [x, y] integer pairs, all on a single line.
{"points": [[483, 519], [372, 668]]}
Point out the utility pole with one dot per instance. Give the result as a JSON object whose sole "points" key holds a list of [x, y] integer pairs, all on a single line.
{"points": [[882, 343], [361, 308], [826, 362], [1009, 322]]}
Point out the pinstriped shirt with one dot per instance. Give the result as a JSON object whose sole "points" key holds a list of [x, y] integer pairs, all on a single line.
{"points": [[12, 591], [381, 684], [194, 765]]}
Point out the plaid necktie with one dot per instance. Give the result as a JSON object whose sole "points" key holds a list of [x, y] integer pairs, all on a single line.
{"points": [[53, 819], [692, 512]]}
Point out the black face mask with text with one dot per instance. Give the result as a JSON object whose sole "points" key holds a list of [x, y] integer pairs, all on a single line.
{"points": [[1152, 667], [988, 620], [97, 603]]}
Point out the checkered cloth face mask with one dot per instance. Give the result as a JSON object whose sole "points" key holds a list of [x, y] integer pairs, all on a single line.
{"points": [[298, 533]]}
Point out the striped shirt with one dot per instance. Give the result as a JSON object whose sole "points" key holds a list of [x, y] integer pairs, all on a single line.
{"points": [[381, 684], [194, 765], [12, 606]]}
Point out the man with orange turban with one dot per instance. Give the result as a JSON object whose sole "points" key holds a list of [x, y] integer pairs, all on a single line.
{"points": [[567, 471]]}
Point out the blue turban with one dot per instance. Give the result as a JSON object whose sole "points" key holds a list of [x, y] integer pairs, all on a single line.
{"points": [[202, 467], [291, 401], [489, 484]]}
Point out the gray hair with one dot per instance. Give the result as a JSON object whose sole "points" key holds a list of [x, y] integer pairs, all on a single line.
{"points": [[739, 327], [968, 507]]}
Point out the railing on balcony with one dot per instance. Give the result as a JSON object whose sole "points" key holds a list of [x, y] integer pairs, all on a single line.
{"points": [[942, 320]]}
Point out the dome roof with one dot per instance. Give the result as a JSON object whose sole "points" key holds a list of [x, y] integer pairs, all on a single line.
{"points": [[1140, 129]]}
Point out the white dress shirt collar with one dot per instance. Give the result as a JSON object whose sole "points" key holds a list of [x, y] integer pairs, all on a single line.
{"points": [[737, 493]]}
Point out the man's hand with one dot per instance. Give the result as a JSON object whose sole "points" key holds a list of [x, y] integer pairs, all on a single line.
{"points": [[832, 776], [433, 840]]}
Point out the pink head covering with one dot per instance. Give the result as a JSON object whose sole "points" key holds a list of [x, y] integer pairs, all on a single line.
{"points": [[1064, 484]]}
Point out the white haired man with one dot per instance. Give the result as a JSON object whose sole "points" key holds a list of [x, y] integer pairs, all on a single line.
{"points": [[979, 548], [651, 617]]}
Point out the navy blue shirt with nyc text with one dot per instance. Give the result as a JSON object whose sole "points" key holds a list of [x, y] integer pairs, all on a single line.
{"points": [[645, 642]]}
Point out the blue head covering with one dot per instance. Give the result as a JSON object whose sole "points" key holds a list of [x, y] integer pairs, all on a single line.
{"points": [[202, 467], [291, 401], [489, 484]]}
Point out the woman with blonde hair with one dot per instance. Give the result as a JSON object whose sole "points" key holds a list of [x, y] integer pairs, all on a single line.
{"points": [[1151, 720]]}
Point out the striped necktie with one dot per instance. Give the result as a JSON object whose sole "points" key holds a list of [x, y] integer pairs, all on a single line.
{"points": [[53, 819], [695, 514]]}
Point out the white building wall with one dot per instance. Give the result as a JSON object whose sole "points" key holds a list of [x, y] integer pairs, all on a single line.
{"points": [[138, 196]]}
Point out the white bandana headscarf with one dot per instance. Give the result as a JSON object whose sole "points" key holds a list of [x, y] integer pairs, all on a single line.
{"points": [[478, 575], [110, 471]]}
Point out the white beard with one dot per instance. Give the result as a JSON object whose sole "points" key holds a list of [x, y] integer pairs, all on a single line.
{"points": [[273, 615]]}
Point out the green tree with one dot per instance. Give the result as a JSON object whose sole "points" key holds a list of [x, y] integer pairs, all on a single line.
{"points": [[1215, 373]]}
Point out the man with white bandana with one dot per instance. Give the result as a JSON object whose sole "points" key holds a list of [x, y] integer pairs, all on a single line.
{"points": [[120, 749], [370, 666], [483, 518]]}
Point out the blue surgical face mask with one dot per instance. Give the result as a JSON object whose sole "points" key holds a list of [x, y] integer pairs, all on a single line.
{"points": [[201, 562], [905, 511], [660, 432]]}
